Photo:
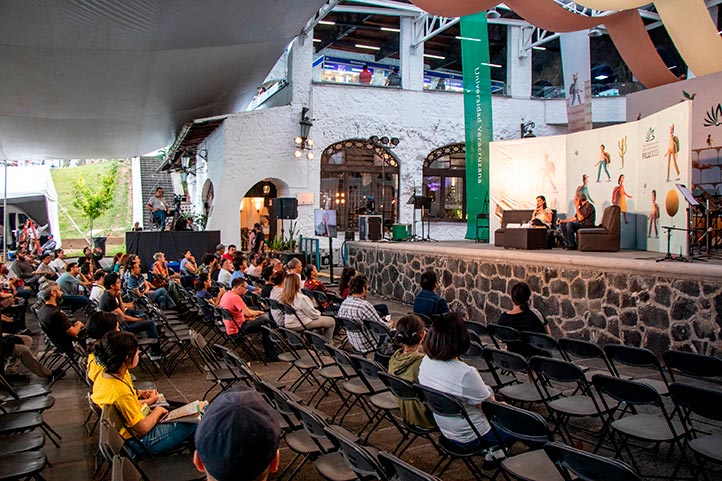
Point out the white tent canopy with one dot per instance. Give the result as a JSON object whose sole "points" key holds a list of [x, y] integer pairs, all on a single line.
{"points": [[102, 78], [31, 189]]}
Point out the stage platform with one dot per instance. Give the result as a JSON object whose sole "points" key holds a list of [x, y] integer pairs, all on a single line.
{"points": [[622, 297]]}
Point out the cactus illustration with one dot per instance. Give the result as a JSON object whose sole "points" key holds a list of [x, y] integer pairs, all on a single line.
{"points": [[622, 144]]}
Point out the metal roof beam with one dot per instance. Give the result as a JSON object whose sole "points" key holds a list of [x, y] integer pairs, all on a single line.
{"points": [[322, 12], [373, 11]]}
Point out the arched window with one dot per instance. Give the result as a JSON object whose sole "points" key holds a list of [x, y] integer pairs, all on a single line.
{"points": [[359, 178], [444, 182]]}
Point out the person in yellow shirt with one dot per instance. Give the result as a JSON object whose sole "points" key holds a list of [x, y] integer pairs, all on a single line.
{"points": [[118, 352]]}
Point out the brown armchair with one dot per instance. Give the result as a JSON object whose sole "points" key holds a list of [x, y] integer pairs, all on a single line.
{"points": [[604, 237]]}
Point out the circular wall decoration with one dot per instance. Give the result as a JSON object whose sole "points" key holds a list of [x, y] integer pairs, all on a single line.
{"points": [[672, 203]]}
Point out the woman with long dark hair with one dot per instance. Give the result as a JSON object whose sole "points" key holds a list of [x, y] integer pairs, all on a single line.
{"points": [[441, 369], [117, 352], [343, 284]]}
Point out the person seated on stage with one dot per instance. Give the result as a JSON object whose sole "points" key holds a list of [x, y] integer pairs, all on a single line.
{"points": [[542, 215], [245, 320], [583, 217], [58, 327], [307, 316], [224, 276], [428, 302], [158, 208], [118, 352], [356, 308], [138, 284], [70, 284], [98, 288], [58, 264], [238, 438], [522, 317]]}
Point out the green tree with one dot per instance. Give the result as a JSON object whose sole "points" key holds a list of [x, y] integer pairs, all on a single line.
{"points": [[93, 202]]}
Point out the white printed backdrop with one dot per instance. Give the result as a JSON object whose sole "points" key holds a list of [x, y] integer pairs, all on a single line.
{"points": [[554, 167]]}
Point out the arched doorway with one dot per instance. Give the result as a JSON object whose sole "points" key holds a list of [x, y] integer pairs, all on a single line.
{"points": [[445, 182], [359, 178], [254, 209]]}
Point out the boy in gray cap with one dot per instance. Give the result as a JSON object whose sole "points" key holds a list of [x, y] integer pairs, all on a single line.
{"points": [[237, 438]]}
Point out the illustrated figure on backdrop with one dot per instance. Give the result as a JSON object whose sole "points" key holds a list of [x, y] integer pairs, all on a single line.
{"points": [[653, 216], [619, 197], [548, 169], [584, 188], [604, 160], [574, 91], [672, 151], [542, 215]]}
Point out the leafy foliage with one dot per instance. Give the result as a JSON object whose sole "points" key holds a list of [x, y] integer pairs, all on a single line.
{"points": [[93, 201]]}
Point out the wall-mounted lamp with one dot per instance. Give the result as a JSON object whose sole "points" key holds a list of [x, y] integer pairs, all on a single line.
{"points": [[258, 203], [595, 32], [492, 14], [527, 129], [303, 142]]}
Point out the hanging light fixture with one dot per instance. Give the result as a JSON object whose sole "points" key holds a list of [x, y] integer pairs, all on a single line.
{"points": [[303, 143], [492, 14]]}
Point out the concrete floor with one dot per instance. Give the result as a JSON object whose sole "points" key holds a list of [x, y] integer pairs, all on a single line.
{"points": [[74, 460]]}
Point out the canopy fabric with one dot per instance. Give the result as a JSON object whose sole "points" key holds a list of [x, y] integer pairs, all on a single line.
{"points": [[625, 28], [101, 78], [32, 190]]}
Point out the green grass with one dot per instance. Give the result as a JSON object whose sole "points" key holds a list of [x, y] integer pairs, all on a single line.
{"points": [[115, 221]]}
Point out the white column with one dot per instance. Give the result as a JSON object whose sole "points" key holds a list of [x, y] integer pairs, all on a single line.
{"points": [[300, 61], [412, 58], [137, 190], [518, 61]]}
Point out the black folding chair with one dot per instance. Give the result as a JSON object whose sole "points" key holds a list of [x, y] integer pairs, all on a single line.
{"points": [[701, 402], [646, 427], [580, 402], [575, 464], [446, 405], [697, 366], [401, 470], [593, 357], [404, 391], [520, 391], [639, 358], [528, 428], [361, 460]]}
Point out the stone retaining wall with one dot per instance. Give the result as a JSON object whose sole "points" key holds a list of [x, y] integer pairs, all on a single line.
{"points": [[652, 311]]}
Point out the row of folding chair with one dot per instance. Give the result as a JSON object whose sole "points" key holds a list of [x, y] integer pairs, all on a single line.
{"points": [[23, 431], [612, 357]]}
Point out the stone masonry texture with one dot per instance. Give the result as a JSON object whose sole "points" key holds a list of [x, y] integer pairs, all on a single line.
{"points": [[655, 312]]}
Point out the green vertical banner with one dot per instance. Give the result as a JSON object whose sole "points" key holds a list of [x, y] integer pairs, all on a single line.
{"points": [[477, 119]]}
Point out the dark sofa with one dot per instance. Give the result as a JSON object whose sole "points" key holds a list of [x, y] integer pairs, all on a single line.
{"points": [[515, 217]]}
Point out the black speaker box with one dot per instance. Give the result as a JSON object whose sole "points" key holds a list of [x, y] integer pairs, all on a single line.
{"points": [[285, 208], [370, 227]]}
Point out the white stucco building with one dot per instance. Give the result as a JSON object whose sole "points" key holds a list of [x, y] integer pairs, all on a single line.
{"points": [[233, 153]]}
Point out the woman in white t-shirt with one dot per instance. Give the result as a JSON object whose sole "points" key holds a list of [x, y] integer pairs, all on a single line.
{"points": [[441, 369]]}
